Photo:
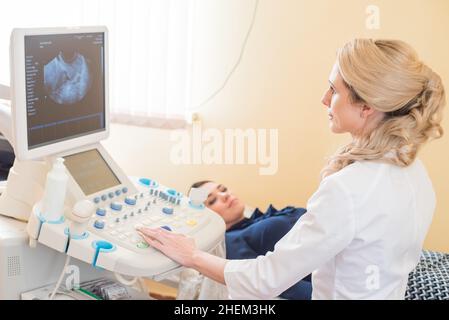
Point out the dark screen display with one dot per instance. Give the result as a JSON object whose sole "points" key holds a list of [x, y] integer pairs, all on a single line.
{"points": [[90, 171], [65, 89]]}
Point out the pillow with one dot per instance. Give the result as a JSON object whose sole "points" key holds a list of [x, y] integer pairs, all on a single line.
{"points": [[430, 279]]}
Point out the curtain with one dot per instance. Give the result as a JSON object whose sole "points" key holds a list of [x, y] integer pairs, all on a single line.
{"points": [[150, 48]]}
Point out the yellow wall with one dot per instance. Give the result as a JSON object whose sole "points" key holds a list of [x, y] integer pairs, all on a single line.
{"points": [[279, 84]]}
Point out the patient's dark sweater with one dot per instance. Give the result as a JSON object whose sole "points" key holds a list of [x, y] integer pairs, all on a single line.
{"points": [[258, 234]]}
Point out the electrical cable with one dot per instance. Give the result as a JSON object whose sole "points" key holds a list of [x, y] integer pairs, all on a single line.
{"points": [[242, 51], [67, 260]]}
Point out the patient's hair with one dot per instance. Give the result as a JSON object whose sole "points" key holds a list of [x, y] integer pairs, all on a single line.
{"points": [[198, 185], [388, 76]]}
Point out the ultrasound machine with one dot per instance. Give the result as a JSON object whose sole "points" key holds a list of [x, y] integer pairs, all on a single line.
{"points": [[59, 109]]}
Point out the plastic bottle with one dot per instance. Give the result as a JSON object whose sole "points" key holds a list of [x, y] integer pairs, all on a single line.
{"points": [[55, 190]]}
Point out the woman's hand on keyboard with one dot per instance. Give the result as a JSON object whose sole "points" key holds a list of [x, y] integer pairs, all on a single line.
{"points": [[179, 247]]}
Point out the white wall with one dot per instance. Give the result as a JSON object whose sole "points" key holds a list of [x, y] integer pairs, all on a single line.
{"points": [[279, 85]]}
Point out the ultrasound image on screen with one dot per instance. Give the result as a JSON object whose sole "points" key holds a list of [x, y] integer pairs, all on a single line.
{"points": [[67, 78], [64, 86]]}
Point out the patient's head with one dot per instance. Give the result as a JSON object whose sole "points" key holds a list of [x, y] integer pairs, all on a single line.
{"points": [[221, 200]]}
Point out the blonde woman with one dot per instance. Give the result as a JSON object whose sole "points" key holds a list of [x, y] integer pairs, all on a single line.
{"points": [[365, 225]]}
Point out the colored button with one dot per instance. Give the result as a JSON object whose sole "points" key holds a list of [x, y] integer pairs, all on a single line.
{"points": [[191, 223], [101, 212], [124, 189], [167, 210], [145, 181], [130, 201], [118, 192], [142, 245], [96, 199], [111, 195], [117, 206], [148, 182], [99, 224], [104, 197], [166, 228]]}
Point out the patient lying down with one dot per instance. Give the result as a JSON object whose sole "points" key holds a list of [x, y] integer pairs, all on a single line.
{"points": [[248, 238]]}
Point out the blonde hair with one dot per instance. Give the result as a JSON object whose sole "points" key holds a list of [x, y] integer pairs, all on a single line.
{"points": [[388, 76]]}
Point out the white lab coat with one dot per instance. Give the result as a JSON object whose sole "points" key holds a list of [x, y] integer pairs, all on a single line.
{"points": [[361, 236]]}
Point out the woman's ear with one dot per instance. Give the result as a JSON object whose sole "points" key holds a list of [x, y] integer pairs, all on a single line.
{"points": [[366, 111]]}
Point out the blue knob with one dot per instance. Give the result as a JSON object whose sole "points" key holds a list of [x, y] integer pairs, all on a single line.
{"points": [[111, 195], [99, 224], [124, 189], [101, 212], [130, 201], [167, 210], [104, 197], [166, 228], [171, 192], [96, 199], [118, 192], [147, 182], [117, 206]]}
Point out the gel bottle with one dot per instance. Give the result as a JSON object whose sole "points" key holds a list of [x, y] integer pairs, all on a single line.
{"points": [[55, 190]]}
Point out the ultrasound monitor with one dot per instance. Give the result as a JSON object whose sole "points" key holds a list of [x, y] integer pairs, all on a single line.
{"points": [[59, 83]]}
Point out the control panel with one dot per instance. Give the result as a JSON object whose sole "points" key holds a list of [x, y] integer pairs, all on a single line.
{"points": [[119, 215], [110, 240]]}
